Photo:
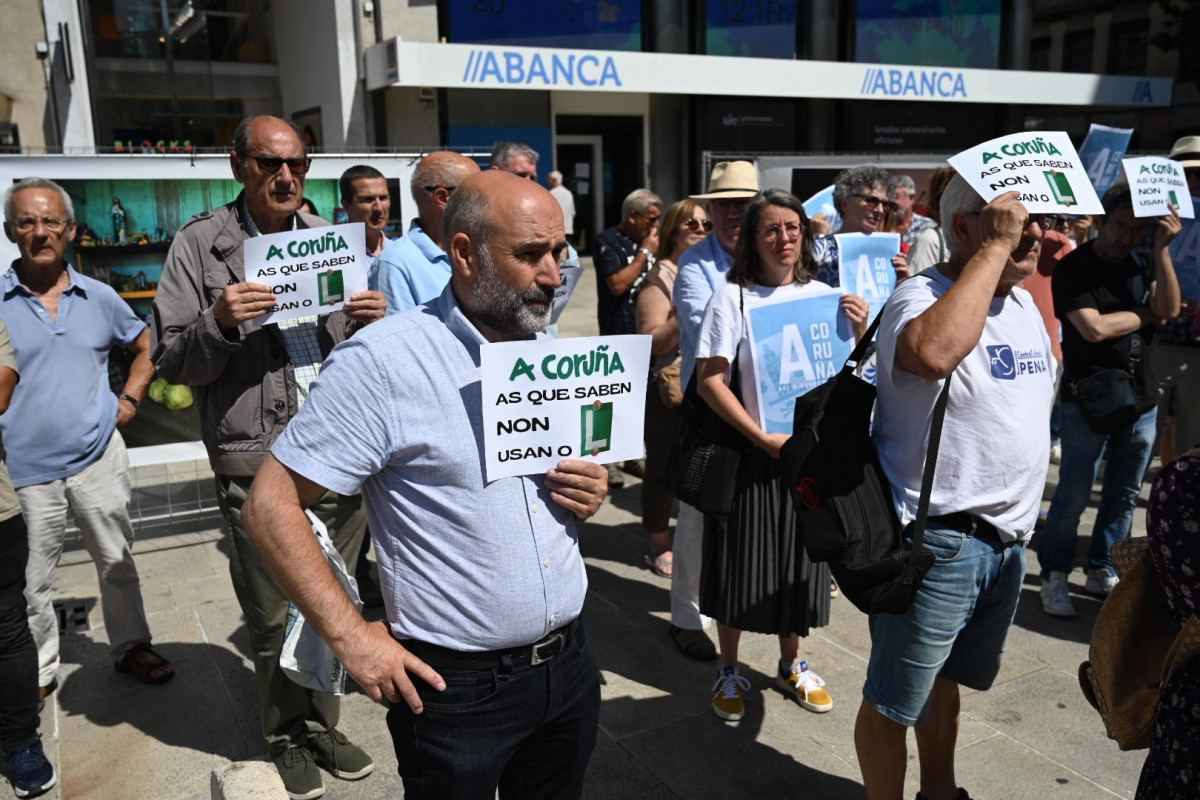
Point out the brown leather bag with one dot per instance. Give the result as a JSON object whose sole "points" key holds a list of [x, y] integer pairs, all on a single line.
{"points": [[1135, 648], [668, 381]]}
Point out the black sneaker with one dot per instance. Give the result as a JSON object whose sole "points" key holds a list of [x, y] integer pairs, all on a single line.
{"points": [[28, 769], [298, 768], [962, 795], [336, 753]]}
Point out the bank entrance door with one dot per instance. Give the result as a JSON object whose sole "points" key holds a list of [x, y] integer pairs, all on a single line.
{"points": [[601, 159], [578, 159]]}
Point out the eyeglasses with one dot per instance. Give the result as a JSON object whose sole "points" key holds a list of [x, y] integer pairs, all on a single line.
{"points": [[26, 224], [432, 189], [877, 202], [649, 219], [272, 164], [1046, 222], [694, 225], [772, 233]]}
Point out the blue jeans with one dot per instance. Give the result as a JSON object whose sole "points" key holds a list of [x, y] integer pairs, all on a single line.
{"points": [[528, 730], [956, 629], [1128, 453]]}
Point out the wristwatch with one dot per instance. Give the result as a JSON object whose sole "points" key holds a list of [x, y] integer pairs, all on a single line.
{"points": [[649, 256], [133, 400]]}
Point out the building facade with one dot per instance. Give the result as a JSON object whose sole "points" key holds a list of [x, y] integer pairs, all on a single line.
{"points": [[614, 93]]}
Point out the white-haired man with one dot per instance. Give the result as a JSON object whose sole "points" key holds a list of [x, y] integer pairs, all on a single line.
{"points": [[64, 449], [964, 319]]}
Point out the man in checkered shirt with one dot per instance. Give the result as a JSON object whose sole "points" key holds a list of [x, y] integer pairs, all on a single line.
{"points": [[250, 381]]}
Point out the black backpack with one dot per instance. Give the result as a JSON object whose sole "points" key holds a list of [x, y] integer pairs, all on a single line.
{"points": [[842, 499]]}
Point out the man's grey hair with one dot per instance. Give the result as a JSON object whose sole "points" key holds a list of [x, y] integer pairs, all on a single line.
{"points": [[554, 175], [902, 182], [958, 198], [467, 212], [850, 182], [639, 200], [441, 171], [241, 135], [36, 183], [505, 151]]}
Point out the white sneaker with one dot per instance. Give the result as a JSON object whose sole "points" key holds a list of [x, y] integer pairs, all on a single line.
{"points": [[1056, 598], [1101, 581]]}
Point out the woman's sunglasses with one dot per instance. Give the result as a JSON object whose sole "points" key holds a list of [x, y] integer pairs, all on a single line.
{"points": [[694, 225]]}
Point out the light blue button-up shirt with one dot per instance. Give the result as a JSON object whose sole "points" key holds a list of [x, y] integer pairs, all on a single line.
{"points": [[63, 411], [410, 271], [701, 270], [463, 563]]}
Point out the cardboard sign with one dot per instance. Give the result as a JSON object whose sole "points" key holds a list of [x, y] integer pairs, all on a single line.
{"points": [[1185, 253], [865, 266], [796, 346], [310, 270], [551, 399], [1154, 182], [822, 203], [1042, 166], [1101, 154], [562, 295]]}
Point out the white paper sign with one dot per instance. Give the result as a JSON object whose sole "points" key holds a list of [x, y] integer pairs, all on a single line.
{"points": [[1155, 181], [1041, 165], [310, 270], [562, 295], [552, 399]]}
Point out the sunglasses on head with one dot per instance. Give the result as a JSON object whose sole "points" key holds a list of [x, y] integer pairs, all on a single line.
{"points": [[272, 164], [694, 225]]}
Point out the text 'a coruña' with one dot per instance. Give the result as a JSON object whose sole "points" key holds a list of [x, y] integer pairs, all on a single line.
{"points": [[596, 362]]}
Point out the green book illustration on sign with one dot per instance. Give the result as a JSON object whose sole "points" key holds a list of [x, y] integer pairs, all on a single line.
{"points": [[331, 287], [596, 428], [1174, 199], [1060, 187]]}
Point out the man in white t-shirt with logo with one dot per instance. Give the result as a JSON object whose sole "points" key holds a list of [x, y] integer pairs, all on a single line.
{"points": [[965, 317]]}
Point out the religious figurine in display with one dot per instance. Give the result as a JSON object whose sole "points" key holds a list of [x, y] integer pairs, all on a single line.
{"points": [[118, 221]]}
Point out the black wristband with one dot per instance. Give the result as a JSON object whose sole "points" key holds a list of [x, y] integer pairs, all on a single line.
{"points": [[132, 400]]}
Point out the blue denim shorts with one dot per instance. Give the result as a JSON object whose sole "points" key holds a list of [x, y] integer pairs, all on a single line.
{"points": [[955, 630]]}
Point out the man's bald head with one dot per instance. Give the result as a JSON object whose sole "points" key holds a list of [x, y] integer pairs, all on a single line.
{"points": [[486, 201], [441, 170], [505, 239]]}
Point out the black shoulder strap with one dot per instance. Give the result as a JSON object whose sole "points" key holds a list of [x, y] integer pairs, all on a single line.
{"points": [[931, 454], [935, 429]]}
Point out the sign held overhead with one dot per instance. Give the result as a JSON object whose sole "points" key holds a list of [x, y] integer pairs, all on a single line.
{"points": [[1041, 166]]}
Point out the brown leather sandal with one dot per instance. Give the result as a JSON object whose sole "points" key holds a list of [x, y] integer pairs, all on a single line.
{"points": [[145, 664]]}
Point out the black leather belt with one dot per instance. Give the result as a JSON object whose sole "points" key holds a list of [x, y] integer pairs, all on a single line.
{"points": [[545, 649], [969, 524]]}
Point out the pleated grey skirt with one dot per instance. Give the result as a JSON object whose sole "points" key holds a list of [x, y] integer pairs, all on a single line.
{"points": [[756, 575]]}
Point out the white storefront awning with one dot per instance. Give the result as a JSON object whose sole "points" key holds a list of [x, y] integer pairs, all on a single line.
{"points": [[464, 66]]}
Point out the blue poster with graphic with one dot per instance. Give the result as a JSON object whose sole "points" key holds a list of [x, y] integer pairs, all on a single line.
{"points": [[796, 346], [1185, 253], [822, 203], [865, 266], [1101, 154]]}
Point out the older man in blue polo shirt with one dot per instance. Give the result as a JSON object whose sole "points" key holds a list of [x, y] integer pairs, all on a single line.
{"points": [[414, 268], [62, 325], [701, 270], [483, 581]]}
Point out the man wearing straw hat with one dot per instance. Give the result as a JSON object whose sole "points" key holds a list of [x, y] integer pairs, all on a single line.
{"points": [[701, 270]]}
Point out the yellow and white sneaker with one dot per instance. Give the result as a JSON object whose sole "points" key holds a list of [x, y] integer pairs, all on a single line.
{"points": [[806, 686], [729, 695]]}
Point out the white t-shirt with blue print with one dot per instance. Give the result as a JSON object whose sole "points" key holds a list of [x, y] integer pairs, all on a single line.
{"points": [[995, 444]]}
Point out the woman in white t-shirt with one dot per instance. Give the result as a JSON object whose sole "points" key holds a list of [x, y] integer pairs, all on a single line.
{"points": [[756, 575]]}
